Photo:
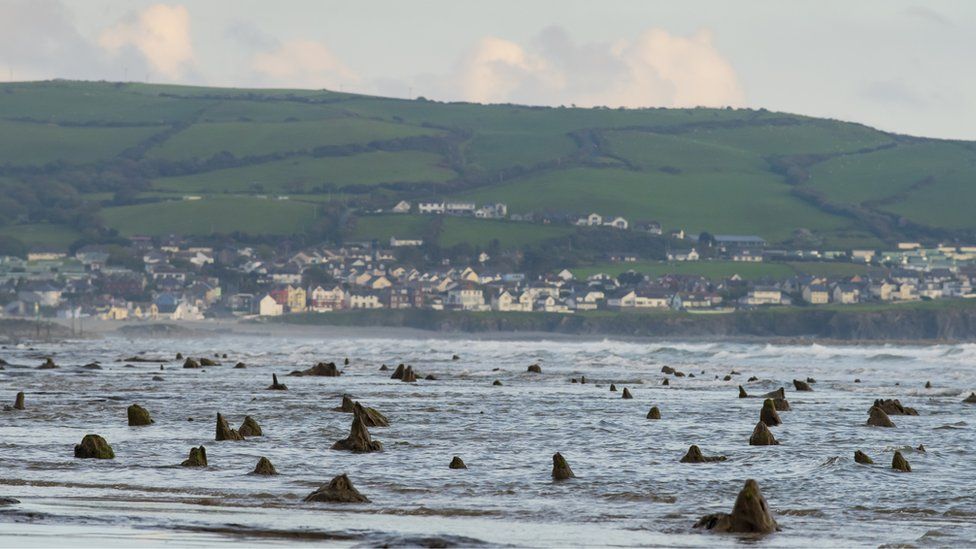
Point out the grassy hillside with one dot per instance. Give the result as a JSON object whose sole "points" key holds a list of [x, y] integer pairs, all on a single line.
{"points": [[73, 154], [216, 215]]}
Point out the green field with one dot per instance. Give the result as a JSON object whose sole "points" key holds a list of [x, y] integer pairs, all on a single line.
{"points": [[715, 270], [256, 138], [811, 137], [494, 150], [209, 216], [719, 203], [480, 232], [23, 143], [42, 234], [382, 227], [306, 173]]}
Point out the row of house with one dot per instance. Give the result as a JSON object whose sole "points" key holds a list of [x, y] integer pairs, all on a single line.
{"points": [[173, 278], [488, 211]]}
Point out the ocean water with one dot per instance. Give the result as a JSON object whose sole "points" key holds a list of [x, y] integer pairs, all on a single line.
{"points": [[630, 487]]}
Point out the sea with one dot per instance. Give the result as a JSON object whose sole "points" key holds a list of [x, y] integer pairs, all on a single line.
{"points": [[630, 488]]}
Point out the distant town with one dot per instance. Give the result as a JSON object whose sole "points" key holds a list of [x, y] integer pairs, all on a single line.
{"points": [[176, 278]]}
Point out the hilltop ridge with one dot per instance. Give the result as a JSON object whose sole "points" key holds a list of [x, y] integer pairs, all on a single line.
{"points": [[89, 160]]}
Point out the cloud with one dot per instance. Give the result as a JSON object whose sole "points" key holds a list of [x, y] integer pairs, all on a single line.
{"points": [[928, 14], [304, 64], [496, 69], [161, 33], [38, 39], [892, 92], [655, 69]]}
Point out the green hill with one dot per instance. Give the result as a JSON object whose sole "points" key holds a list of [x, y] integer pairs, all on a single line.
{"points": [[89, 158]]}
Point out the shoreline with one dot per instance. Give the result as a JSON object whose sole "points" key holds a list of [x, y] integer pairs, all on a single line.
{"points": [[285, 327]]}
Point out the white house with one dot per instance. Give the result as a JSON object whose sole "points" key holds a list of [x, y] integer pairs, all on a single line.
{"points": [[323, 300], [401, 207], [430, 207], [269, 307], [506, 301], [617, 223], [764, 296], [405, 242], [691, 255], [459, 208], [633, 299], [361, 300], [466, 298]]}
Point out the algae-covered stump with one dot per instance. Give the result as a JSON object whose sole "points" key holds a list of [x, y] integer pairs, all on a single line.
{"points": [[560, 468], [339, 490], [750, 514], [94, 447], [138, 416]]}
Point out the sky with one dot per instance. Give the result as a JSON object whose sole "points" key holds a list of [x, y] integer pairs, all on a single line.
{"points": [[901, 66]]}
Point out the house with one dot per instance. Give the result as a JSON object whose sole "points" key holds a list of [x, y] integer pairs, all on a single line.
{"points": [[684, 301], [466, 297], [617, 223], [550, 304], [492, 211], [865, 256], [430, 207], [748, 256], [592, 220], [816, 294], [652, 227], [268, 306], [363, 300], [401, 207], [296, 299], [733, 241], [764, 296], [685, 255], [846, 294], [323, 300], [507, 301], [459, 208], [588, 301], [43, 253], [883, 291], [405, 242], [640, 299]]}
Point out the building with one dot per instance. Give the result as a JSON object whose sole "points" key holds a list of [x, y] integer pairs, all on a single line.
{"points": [[816, 294], [430, 207], [640, 299], [466, 297], [323, 300], [405, 242], [734, 241], [764, 296], [401, 207], [459, 208], [846, 294], [268, 306]]}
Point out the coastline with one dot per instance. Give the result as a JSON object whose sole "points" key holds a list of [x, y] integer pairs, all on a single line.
{"points": [[912, 324]]}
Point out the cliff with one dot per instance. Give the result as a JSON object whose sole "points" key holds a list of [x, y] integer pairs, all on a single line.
{"points": [[921, 321]]}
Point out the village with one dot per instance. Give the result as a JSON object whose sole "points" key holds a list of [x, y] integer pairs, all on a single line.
{"points": [[174, 278]]}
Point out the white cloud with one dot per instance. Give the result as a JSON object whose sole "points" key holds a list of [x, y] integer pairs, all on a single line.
{"points": [[161, 33], [303, 64], [497, 68], [655, 69]]}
